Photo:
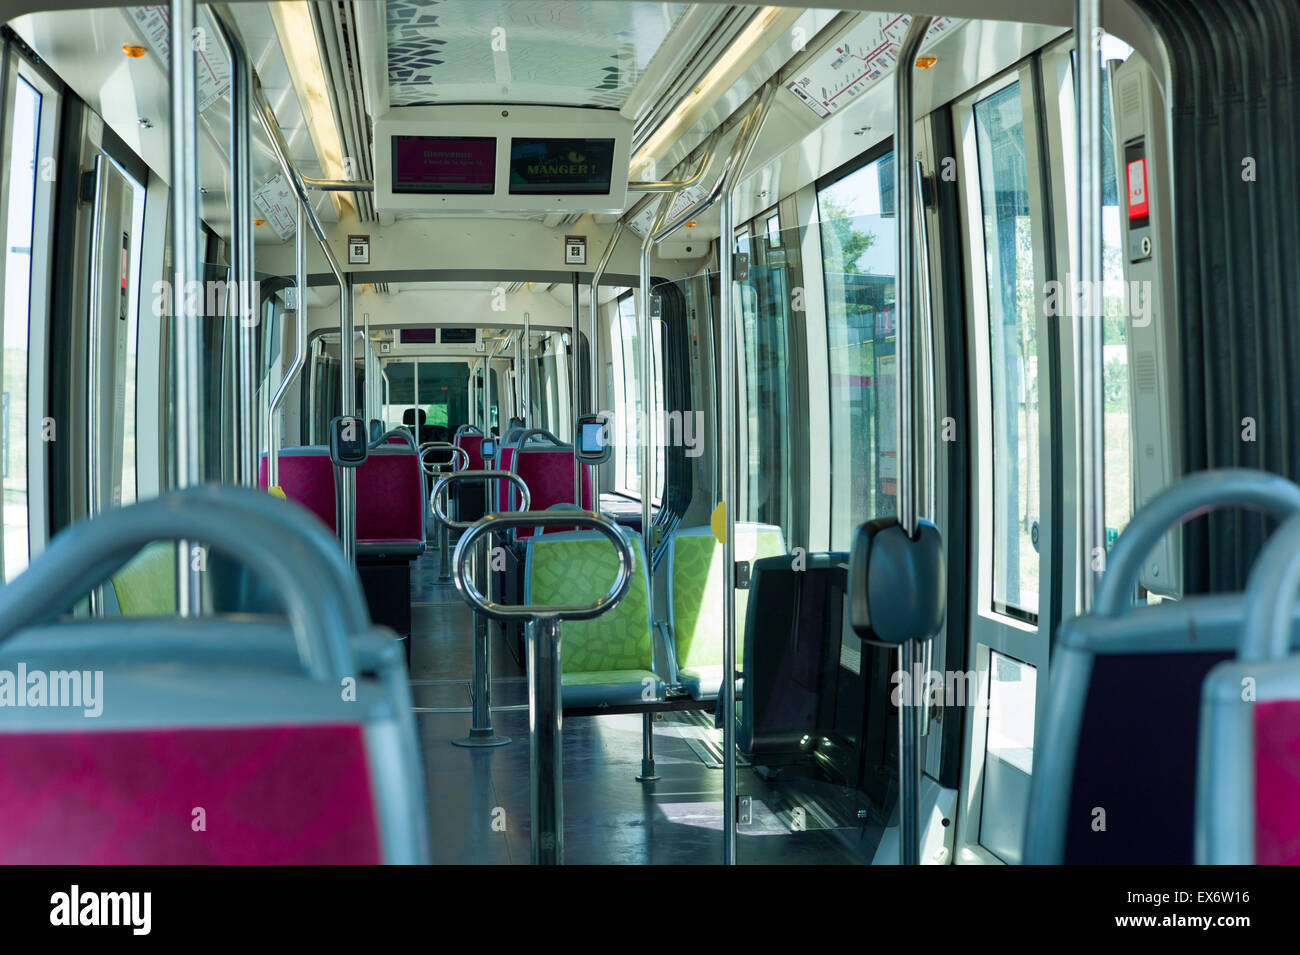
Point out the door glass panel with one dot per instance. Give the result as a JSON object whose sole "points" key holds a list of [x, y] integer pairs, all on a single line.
{"points": [[1013, 350], [401, 394], [21, 174], [763, 400], [443, 397], [628, 415], [1117, 485], [1008, 754], [859, 243]]}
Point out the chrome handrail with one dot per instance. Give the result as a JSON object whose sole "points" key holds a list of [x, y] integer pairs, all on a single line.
{"points": [[461, 477], [580, 519]]}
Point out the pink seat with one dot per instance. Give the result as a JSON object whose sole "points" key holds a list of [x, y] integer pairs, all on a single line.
{"points": [[472, 445], [549, 476], [390, 499], [1277, 782], [270, 795], [307, 477]]}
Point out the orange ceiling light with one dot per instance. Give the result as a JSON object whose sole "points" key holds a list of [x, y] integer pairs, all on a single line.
{"points": [[133, 50], [926, 61]]}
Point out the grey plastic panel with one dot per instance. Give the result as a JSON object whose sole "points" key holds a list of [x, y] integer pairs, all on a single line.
{"points": [[278, 540]]}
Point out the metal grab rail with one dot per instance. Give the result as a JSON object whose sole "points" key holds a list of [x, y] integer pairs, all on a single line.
{"points": [[910, 652], [277, 540], [461, 477], [1271, 595], [580, 519], [444, 535], [442, 446], [1192, 496], [545, 681], [481, 732]]}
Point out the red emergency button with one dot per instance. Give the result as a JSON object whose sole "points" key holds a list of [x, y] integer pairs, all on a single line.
{"points": [[1137, 189]]}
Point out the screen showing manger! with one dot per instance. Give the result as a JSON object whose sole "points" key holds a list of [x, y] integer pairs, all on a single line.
{"points": [[444, 164], [561, 167]]}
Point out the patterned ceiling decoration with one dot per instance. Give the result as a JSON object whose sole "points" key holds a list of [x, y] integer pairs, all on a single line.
{"points": [[551, 52]]}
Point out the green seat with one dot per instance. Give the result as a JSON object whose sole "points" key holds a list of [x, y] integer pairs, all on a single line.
{"points": [[695, 600], [608, 660], [146, 587]]}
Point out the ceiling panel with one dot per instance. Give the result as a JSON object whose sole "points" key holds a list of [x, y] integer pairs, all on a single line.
{"points": [[546, 52]]}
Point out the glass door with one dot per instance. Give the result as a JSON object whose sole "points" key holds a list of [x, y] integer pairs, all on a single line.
{"points": [[1004, 216]]}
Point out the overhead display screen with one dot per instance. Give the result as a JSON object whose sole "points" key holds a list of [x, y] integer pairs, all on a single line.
{"points": [[561, 167], [456, 165]]}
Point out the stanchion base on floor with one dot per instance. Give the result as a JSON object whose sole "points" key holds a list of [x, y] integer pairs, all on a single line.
{"points": [[481, 738], [647, 774]]}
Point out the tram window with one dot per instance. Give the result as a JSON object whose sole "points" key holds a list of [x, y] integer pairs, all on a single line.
{"points": [[442, 393], [773, 230], [1013, 349], [627, 399], [21, 175], [858, 241], [401, 391]]}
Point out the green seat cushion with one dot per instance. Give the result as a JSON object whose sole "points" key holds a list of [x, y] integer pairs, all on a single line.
{"points": [[146, 587], [608, 676], [578, 567], [697, 589]]}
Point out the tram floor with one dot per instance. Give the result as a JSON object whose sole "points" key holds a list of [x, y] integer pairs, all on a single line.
{"points": [[478, 799]]}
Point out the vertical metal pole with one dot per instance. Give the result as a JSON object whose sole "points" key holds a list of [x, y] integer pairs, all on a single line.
{"points": [[365, 362], [546, 756], [593, 343], [273, 436], [242, 261], [187, 275], [481, 732], [909, 723], [444, 552], [646, 453], [575, 388], [645, 427], [1087, 39], [348, 391], [727, 454], [527, 389]]}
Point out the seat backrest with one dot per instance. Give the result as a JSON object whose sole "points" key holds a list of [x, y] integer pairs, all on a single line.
{"points": [[505, 492], [472, 445], [307, 477], [548, 472], [791, 645], [141, 722], [578, 567], [695, 591], [146, 587], [390, 497]]}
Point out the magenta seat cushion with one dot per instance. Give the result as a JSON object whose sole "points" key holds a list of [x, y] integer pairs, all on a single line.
{"points": [[296, 794], [1277, 783]]}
